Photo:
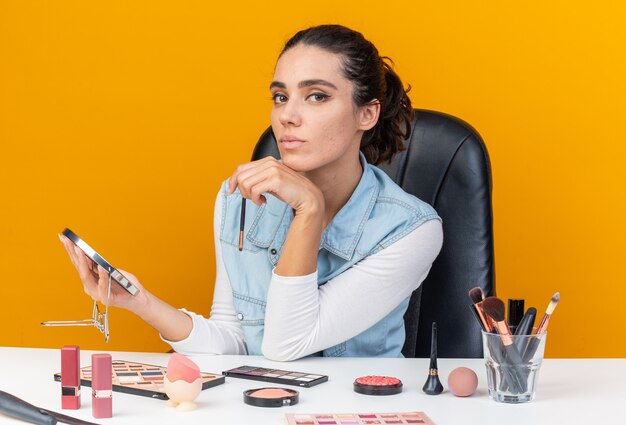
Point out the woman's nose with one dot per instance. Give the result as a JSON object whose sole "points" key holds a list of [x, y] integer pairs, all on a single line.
{"points": [[290, 114]]}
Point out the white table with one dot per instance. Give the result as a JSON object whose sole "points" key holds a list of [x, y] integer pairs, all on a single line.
{"points": [[582, 391]]}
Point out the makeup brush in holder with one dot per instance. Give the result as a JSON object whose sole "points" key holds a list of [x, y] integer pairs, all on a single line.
{"points": [[525, 327], [487, 325], [512, 359], [433, 384], [533, 344], [477, 296]]}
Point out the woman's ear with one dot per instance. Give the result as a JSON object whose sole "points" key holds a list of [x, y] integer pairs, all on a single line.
{"points": [[368, 115]]}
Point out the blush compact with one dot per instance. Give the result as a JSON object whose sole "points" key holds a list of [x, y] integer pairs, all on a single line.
{"points": [[270, 397], [378, 385]]}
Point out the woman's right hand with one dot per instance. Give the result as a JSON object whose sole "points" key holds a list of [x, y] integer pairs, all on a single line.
{"points": [[96, 281]]}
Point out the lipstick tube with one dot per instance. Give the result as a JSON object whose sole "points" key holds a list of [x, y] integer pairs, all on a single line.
{"points": [[70, 377], [102, 386]]}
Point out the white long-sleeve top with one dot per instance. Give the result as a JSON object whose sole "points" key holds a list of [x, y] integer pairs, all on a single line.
{"points": [[302, 318]]}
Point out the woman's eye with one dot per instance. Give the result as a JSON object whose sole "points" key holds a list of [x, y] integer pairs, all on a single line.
{"points": [[279, 98], [318, 97]]}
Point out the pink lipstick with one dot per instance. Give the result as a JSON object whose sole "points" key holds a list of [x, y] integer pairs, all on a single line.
{"points": [[102, 386], [70, 377]]}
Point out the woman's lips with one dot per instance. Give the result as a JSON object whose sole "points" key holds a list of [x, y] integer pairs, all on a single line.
{"points": [[289, 143]]}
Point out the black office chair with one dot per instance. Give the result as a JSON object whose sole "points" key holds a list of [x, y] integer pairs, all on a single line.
{"points": [[447, 165]]}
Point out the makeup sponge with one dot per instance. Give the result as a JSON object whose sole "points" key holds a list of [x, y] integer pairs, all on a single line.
{"points": [[182, 383], [180, 367], [462, 382]]}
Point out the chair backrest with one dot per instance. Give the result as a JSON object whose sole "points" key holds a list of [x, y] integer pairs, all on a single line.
{"points": [[447, 165]]}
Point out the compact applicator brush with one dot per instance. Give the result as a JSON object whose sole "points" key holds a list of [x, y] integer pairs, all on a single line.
{"points": [[433, 384]]}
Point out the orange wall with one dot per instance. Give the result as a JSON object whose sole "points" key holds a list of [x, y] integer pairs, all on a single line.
{"points": [[119, 119]]}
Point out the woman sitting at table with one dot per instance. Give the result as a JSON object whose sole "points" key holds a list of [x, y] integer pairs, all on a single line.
{"points": [[333, 248]]}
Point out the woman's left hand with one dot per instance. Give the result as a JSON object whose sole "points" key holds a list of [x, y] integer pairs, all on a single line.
{"points": [[271, 176]]}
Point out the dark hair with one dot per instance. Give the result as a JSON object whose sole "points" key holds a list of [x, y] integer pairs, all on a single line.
{"points": [[372, 78]]}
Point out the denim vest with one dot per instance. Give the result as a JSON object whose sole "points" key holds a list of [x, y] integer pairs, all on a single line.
{"points": [[377, 214]]}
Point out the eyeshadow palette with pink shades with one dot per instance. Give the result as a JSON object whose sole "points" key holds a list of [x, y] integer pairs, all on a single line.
{"points": [[142, 379], [358, 418]]}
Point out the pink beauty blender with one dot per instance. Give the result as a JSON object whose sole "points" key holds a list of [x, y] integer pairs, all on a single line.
{"points": [[182, 382], [180, 367]]}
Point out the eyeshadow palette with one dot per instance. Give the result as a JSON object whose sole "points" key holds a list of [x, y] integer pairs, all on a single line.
{"points": [[358, 418], [141, 379], [277, 376]]}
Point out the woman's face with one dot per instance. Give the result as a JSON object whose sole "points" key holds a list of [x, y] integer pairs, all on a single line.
{"points": [[314, 119]]}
